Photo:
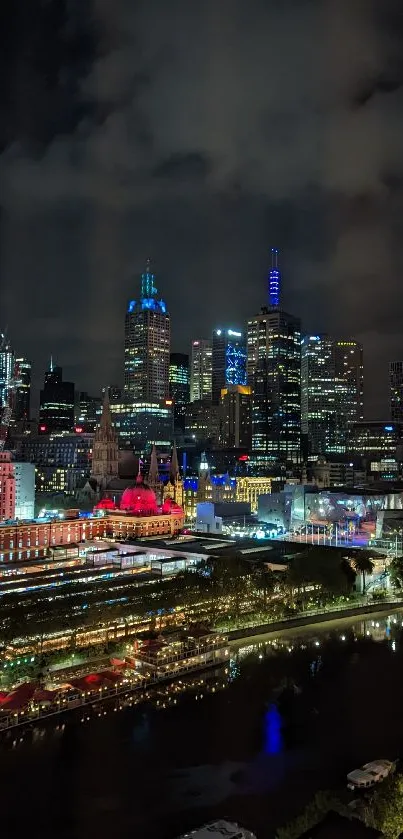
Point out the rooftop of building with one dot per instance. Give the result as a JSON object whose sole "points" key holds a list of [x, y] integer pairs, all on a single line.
{"points": [[386, 425], [224, 547]]}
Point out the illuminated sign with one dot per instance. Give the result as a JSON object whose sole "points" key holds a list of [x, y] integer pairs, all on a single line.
{"points": [[42, 428], [79, 429], [235, 334], [388, 428]]}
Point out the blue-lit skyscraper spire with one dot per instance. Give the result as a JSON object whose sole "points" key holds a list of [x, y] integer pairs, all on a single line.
{"points": [[148, 288], [274, 281], [147, 343]]}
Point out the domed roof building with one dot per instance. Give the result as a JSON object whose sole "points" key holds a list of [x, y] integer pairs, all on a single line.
{"points": [[105, 504], [140, 500], [139, 513]]}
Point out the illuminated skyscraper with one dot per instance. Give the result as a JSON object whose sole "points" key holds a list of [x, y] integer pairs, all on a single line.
{"points": [[22, 389], [236, 427], [318, 397], [228, 361], [200, 370], [87, 413], [274, 373], [147, 344], [349, 374], [179, 389], [396, 390], [56, 406], [7, 370], [331, 391]]}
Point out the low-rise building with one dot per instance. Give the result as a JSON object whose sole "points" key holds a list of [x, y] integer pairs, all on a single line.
{"points": [[248, 489], [376, 440], [333, 473], [33, 539], [17, 488], [62, 461], [212, 517]]}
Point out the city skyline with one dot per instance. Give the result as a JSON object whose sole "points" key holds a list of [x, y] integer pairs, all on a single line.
{"points": [[138, 288], [201, 417], [140, 152]]}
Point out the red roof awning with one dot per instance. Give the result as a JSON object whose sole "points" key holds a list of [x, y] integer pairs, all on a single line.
{"points": [[20, 697]]}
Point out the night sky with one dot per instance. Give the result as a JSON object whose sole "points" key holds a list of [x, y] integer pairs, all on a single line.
{"points": [[200, 134]]}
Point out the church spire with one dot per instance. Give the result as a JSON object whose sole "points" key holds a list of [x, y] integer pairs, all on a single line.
{"points": [[174, 468], [106, 417], [105, 454], [153, 476]]}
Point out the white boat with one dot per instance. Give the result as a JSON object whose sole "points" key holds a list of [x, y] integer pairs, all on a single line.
{"points": [[219, 830], [370, 774]]}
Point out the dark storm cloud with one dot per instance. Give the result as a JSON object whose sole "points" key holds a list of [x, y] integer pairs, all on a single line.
{"points": [[201, 133], [183, 166], [384, 84]]}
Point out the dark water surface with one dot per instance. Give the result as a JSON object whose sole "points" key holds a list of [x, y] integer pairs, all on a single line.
{"points": [[254, 752]]}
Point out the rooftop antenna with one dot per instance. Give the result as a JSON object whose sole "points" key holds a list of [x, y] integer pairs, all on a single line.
{"points": [[148, 289], [274, 280]]}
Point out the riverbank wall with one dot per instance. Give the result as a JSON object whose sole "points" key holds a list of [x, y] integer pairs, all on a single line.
{"points": [[311, 618]]}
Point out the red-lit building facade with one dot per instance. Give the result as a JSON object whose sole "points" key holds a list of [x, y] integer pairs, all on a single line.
{"points": [[30, 540]]}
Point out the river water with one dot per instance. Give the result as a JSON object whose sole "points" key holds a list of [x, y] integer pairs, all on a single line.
{"points": [[252, 751]]}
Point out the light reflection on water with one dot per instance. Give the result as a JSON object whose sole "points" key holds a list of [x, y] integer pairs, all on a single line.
{"points": [[378, 627], [273, 740], [239, 752]]}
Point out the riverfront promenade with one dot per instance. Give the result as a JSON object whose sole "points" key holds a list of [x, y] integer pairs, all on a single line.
{"points": [[313, 617]]}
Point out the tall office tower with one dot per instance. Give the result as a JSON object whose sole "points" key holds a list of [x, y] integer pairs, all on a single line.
{"points": [[331, 392], [349, 375], [274, 373], [203, 422], [147, 343], [228, 361], [318, 397], [7, 370], [56, 403], [200, 370], [236, 401], [87, 412], [22, 389], [140, 424], [179, 387], [396, 390]]}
